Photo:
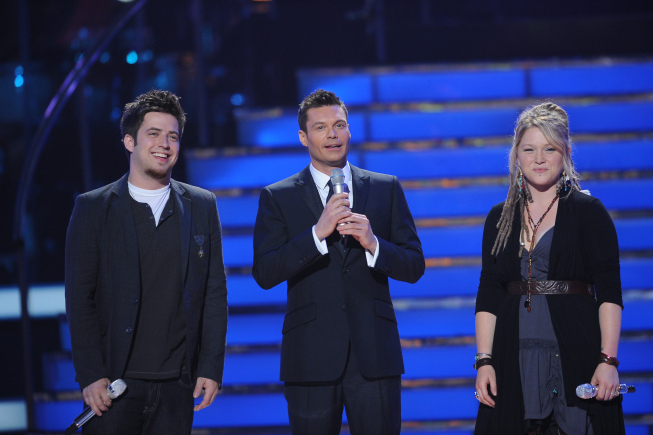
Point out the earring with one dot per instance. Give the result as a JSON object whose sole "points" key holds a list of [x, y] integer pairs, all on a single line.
{"points": [[520, 179], [564, 184]]}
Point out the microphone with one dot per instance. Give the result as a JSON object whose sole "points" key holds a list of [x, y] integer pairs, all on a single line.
{"points": [[339, 186], [115, 389], [587, 391]]}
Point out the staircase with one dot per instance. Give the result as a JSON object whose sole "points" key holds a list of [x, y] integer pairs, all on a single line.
{"points": [[445, 132]]}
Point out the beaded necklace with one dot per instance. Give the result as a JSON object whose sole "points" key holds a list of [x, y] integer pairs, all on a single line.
{"points": [[534, 226]]}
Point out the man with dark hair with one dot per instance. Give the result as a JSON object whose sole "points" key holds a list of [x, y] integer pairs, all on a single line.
{"points": [[146, 293], [340, 342]]}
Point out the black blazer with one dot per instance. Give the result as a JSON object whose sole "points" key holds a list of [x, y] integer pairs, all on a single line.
{"points": [[335, 298], [103, 281]]}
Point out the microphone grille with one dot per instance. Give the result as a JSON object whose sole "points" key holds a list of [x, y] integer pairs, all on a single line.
{"points": [[116, 388], [337, 176]]}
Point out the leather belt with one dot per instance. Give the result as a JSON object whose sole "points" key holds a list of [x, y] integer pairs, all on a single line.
{"points": [[551, 288]]}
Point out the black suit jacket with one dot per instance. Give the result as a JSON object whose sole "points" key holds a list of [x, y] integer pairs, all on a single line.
{"points": [[335, 298], [103, 281]]}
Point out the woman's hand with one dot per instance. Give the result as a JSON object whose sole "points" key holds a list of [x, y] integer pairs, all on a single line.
{"points": [[485, 376], [606, 378]]}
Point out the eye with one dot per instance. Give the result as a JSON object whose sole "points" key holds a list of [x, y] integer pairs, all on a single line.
{"points": [[174, 137]]}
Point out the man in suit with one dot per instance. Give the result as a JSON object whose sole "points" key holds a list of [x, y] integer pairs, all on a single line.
{"points": [[340, 342], [146, 294]]}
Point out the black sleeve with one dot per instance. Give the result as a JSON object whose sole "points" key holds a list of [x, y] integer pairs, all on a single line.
{"points": [[490, 291]]}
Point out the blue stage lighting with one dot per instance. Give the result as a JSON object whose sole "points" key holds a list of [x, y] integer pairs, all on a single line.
{"points": [[132, 57], [115, 114], [237, 99], [147, 55], [19, 70], [18, 81], [104, 58]]}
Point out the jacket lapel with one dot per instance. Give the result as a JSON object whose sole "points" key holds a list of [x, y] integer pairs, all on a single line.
{"points": [[307, 189], [360, 185], [184, 205], [121, 203]]}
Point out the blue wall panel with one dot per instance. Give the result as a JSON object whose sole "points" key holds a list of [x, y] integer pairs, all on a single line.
{"points": [[440, 282], [613, 156], [353, 89], [450, 86], [283, 130], [610, 117], [592, 80], [396, 126]]}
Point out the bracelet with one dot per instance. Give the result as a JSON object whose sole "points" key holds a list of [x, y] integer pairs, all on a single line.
{"points": [[482, 355], [610, 360], [482, 362]]}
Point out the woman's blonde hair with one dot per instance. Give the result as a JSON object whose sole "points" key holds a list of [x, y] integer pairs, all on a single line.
{"points": [[553, 122]]}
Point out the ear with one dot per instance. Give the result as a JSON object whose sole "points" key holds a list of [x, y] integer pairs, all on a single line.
{"points": [[129, 143], [303, 138]]}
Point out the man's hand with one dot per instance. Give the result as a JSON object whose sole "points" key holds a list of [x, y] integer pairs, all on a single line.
{"points": [[210, 391], [95, 396], [358, 226], [335, 210]]}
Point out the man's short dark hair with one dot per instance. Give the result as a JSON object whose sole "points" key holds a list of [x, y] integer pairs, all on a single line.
{"points": [[154, 101], [319, 98]]}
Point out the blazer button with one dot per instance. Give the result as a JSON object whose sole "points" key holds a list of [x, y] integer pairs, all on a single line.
{"points": [[344, 271], [387, 269], [344, 308], [128, 330], [135, 301]]}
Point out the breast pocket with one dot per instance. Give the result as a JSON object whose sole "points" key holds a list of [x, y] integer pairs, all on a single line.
{"points": [[298, 317]]}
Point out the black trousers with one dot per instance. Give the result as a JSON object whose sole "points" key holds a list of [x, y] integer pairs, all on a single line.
{"points": [[373, 405], [148, 407]]}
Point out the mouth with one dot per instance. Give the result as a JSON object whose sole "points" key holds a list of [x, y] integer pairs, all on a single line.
{"points": [[161, 156], [540, 170], [334, 146]]}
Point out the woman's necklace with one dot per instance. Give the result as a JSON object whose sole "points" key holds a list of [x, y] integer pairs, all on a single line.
{"points": [[534, 226]]}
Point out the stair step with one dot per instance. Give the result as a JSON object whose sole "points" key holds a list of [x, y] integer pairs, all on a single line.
{"points": [[634, 234], [479, 82], [215, 171], [278, 128]]}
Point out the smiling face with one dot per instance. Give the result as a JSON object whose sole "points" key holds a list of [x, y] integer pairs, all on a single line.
{"points": [[154, 151], [327, 138], [541, 162]]}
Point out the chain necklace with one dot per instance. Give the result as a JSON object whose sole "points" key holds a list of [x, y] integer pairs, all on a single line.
{"points": [[534, 226]]}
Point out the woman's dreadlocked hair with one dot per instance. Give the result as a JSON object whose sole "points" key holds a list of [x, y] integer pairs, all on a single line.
{"points": [[553, 122]]}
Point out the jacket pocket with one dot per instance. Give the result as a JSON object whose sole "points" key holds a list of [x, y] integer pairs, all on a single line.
{"points": [[103, 326], [385, 310], [298, 317]]}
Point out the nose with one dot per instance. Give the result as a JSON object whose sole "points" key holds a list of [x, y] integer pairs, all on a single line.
{"points": [[332, 133], [539, 157]]}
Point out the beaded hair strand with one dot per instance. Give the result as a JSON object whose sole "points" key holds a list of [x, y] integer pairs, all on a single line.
{"points": [[553, 122]]}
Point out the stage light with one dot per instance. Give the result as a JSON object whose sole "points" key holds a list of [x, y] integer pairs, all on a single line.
{"points": [[147, 55], [18, 81], [115, 114], [105, 57], [237, 99], [19, 70], [132, 57]]}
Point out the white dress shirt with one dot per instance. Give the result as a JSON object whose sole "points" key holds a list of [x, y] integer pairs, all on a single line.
{"points": [[322, 183]]}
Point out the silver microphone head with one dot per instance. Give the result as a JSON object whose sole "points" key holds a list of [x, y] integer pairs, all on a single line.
{"points": [[116, 388], [337, 176]]}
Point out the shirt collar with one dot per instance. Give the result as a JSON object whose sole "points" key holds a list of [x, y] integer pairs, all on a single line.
{"points": [[321, 179]]}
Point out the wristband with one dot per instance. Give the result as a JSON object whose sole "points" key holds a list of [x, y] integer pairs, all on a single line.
{"points": [[482, 362], [482, 355], [610, 360]]}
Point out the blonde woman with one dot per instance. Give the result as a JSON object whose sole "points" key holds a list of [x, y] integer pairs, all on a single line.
{"points": [[548, 308]]}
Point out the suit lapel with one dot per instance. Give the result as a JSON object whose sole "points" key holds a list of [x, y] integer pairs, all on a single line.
{"points": [[307, 189], [184, 205], [360, 185], [124, 213]]}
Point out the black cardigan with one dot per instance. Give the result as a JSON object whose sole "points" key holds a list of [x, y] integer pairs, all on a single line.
{"points": [[584, 248]]}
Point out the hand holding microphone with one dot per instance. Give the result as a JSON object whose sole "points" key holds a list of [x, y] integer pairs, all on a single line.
{"points": [[336, 208], [115, 389]]}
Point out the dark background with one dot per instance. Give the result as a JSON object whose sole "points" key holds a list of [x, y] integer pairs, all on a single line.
{"points": [[245, 47]]}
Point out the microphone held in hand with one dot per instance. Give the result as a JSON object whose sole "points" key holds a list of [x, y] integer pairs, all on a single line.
{"points": [[587, 391], [339, 186], [115, 389]]}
